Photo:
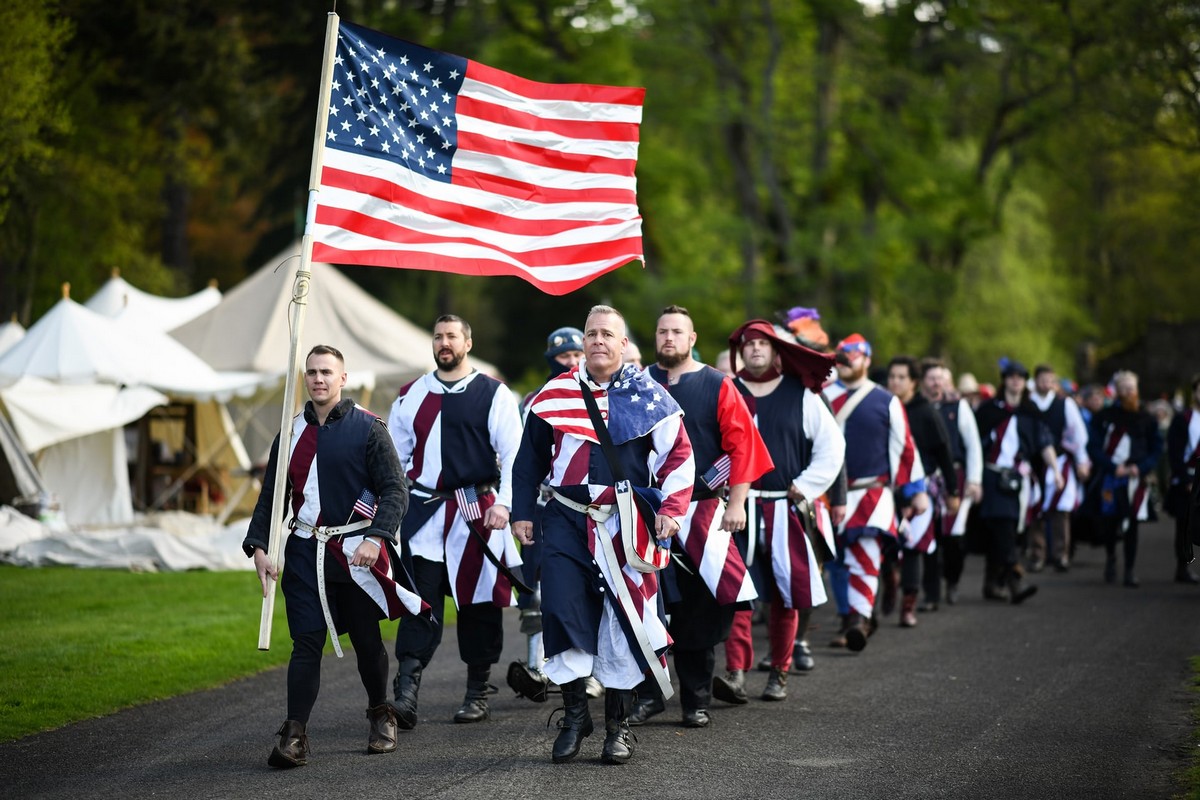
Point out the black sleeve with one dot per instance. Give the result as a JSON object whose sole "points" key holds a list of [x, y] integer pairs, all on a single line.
{"points": [[391, 493], [837, 491], [259, 533], [942, 453], [531, 467]]}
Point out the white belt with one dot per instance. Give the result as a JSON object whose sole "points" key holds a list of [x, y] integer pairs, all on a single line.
{"points": [[323, 534], [600, 513]]}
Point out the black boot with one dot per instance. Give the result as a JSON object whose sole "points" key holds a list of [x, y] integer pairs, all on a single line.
{"points": [[576, 723], [474, 706], [527, 682], [292, 750], [857, 631], [649, 703], [618, 743], [406, 685], [731, 687], [1018, 591], [382, 737], [993, 583]]}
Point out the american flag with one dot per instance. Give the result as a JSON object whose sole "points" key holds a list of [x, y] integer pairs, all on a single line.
{"points": [[468, 503], [436, 162], [365, 504], [636, 403], [718, 473]]}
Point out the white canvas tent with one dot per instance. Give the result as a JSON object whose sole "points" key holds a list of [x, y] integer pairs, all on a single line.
{"points": [[10, 333], [73, 347], [77, 430], [119, 299], [249, 331]]}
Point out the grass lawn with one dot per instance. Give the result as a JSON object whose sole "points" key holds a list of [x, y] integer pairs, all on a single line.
{"points": [[82, 643]]}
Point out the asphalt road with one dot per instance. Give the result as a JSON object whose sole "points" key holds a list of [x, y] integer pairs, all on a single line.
{"points": [[1083, 692]]}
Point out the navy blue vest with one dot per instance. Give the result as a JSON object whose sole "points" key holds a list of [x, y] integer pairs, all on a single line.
{"points": [[698, 394], [467, 455], [1055, 418], [342, 463], [780, 417]]}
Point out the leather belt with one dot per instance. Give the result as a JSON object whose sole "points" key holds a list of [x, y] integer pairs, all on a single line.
{"points": [[600, 513], [323, 533], [447, 494], [867, 483]]}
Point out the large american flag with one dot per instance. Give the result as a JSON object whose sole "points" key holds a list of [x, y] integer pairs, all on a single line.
{"points": [[437, 162]]}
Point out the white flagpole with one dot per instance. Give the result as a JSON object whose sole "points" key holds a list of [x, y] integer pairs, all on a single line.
{"points": [[299, 306]]}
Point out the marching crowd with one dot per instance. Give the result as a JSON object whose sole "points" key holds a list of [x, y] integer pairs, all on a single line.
{"points": [[667, 508]]}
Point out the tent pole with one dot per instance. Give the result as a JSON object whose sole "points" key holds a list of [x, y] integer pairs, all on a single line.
{"points": [[299, 306]]}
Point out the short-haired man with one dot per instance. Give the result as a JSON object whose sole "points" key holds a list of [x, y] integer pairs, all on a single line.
{"points": [[340, 571], [1070, 435], [457, 432], [1126, 446], [599, 614], [701, 597], [919, 534], [947, 561], [881, 463], [780, 383], [1013, 437]]}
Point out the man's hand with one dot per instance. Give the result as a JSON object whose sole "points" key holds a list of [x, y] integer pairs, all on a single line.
{"points": [[974, 492], [366, 554], [837, 515], [794, 494], [495, 518], [952, 504], [665, 527], [265, 567], [918, 506], [734, 518], [523, 530], [1083, 471]]}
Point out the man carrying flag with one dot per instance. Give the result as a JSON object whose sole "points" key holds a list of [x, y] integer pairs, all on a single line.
{"points": [[600, 614], [457, 433], [340, 572]]}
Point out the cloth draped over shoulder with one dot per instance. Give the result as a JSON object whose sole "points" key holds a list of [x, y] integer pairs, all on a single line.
{"points": [[634, 406]]}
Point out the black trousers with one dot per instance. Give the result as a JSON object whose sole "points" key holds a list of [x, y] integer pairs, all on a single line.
{"points": [[480, 625], [1111, 527], [1002, 553], [359, 617]]}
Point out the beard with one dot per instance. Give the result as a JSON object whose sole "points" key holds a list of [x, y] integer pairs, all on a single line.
{"points": [[670, 361], [850, 373], [449, 361], [1129, 402]]}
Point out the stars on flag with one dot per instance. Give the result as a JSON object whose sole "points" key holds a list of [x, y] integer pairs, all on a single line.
{"points": [[384, 104]]}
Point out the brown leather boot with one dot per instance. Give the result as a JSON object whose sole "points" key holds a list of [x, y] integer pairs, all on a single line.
{"points": [[292, 750], [857, 631], [908, 611], [382, 738]]}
